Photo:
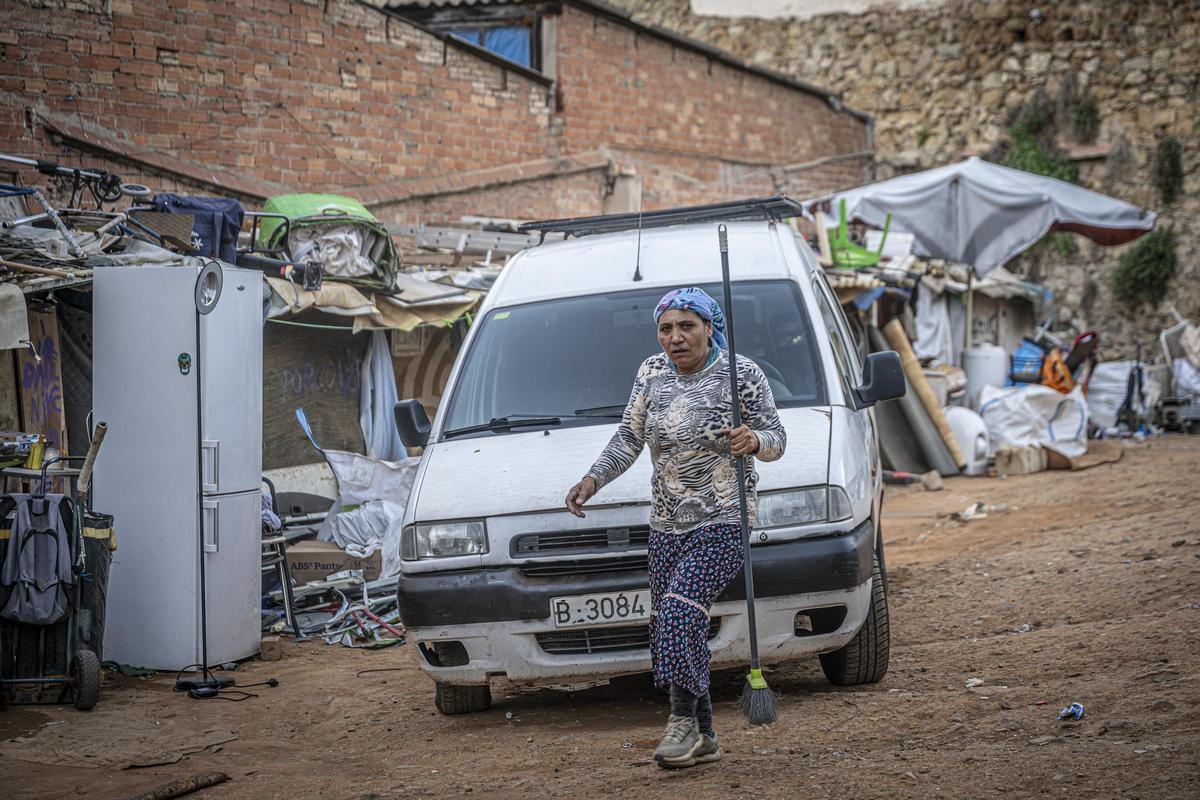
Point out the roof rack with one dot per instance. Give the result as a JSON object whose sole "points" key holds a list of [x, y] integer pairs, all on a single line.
{"points": [[770, 209]]}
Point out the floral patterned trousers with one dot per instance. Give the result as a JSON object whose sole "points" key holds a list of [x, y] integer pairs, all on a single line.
{"points": [[687, 573]]}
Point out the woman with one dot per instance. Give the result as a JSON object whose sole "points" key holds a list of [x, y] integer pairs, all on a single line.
{"points": [[680, 404]]}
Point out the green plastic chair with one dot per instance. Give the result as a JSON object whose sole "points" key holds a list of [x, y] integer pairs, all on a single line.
{"points": [[847, 254]]}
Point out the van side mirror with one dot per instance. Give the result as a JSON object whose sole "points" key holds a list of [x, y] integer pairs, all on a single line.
{"points": [[883, 379], [412, 423]]}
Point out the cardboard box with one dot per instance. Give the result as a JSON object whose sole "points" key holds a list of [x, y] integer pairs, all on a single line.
{"points": [[313, 560]]}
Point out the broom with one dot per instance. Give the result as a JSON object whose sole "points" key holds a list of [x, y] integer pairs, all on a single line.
{"points": [[757, 700]]}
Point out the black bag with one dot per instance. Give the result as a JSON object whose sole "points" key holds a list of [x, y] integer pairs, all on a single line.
{"points": [[216, 220]]}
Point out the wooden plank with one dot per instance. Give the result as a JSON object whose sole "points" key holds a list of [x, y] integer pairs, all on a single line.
{"points": [[319, 370], [10, 419], [825, 259], [41, 382]]}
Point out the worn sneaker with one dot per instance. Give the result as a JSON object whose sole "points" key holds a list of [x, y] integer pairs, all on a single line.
{"points": [[679, 744], [709, 750]]}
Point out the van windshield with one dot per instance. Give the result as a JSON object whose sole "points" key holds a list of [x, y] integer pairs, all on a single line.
{"points": [[572, 361]]}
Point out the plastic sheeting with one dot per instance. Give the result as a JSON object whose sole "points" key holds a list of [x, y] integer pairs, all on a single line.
{"points": [[377, 399], [1035, 415], [511, 42], [979, 213], [362, 480], [1190, 342], [339, 248], [934, 338], [1107, 387], [1187, 378]]}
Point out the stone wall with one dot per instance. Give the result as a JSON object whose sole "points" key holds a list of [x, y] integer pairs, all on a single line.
{"points": [[945, 81]]}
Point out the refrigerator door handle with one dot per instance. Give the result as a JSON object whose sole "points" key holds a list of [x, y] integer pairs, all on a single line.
{"points": [[211, 464], [212, 525]]}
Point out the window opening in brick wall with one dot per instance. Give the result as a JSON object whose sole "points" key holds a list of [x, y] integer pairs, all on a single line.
{"points": [[511, 30]]}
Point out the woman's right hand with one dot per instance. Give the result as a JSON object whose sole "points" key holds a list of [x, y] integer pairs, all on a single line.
{"points": [[580, 493]]}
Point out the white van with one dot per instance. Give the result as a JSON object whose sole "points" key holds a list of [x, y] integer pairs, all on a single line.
{"points": [[499, 581]]}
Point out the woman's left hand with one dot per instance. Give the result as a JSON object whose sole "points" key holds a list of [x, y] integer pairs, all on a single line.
{"points": [[742, 441]]}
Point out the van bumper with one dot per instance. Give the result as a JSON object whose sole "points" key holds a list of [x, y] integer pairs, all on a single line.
{"points": [[511, 650], [495, 616], [504, 594]]}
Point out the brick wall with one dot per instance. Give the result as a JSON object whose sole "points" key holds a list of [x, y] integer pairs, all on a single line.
{"points": [[679, 113], [313, 95]]}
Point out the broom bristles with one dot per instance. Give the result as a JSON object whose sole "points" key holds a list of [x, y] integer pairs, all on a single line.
{"points": [[758, 701]]}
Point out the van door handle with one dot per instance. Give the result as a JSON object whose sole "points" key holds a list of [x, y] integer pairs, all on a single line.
{"points": [[212, 446]]}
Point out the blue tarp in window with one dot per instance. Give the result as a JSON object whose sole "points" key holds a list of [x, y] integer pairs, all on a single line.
{"points": [[512, 43]]}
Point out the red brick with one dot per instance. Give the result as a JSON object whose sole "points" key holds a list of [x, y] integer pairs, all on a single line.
{"points": [[414, 121]]}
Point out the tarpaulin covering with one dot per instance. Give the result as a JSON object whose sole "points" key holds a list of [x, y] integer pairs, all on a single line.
{"points": [[980, 213]]}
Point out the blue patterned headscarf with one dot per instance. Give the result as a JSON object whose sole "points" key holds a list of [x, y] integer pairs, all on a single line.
{"points": [[699, 301]]}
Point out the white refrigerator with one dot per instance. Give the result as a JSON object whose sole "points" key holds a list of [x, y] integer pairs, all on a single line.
{"points": [[183, 457]]}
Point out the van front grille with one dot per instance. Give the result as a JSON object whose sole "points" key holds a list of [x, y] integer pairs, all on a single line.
{"points": [[592, 541], [554, 569], [592, 641]]}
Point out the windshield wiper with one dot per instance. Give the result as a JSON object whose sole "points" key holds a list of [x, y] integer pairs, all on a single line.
{"points": [[601, 411], [503, 424]]}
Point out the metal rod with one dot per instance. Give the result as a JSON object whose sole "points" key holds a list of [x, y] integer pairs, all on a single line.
{"points": [[38, 270], [72, 245], [50, 166], [739, 462], [970, 307], [12, 223]]}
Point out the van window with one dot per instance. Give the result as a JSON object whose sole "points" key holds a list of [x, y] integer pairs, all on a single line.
{"points": [[843, 324], [576, 357], [834, 328]]}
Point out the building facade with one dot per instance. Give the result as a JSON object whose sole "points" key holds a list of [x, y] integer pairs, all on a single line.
{"points": [[423, 118]]}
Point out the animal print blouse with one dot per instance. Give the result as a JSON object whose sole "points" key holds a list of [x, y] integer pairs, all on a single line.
{"points": [[681, 417]]}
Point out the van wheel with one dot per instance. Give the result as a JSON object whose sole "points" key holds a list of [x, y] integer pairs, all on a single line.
{"points": [[864, 659], [452, 700]]}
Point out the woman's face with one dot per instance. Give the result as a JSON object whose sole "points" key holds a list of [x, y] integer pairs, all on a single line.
{"points": [[683, 336]]}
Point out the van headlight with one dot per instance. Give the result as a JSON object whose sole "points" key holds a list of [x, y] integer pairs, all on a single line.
{"points": [[802, 507], [443, 539]]}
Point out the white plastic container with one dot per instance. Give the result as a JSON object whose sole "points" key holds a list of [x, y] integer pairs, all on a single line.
{"points": [[972, 436], [985, 365]]}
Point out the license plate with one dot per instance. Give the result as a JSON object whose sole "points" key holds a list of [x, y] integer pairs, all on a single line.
{"points": [[597, 609]]}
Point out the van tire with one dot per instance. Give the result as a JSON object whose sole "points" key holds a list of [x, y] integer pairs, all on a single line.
{"points": [[451, 700], [864, 659]]}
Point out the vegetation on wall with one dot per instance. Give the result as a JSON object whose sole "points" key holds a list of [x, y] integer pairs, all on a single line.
{"points": [[1085, 118], [1168, 170], [1031, 147], [1144, 271]]}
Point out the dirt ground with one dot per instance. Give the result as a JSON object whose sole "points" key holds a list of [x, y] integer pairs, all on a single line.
{"points": [[1085, 587]]}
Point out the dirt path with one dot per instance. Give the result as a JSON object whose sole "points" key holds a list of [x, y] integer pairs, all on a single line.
{"points": [[1085, 588]]}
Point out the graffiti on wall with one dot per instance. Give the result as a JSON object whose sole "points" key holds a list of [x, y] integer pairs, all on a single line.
{"points": [[41, 382]]}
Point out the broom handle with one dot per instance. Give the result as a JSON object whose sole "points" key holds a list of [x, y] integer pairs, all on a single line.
{"points": [[85, 473], [740, 463]]}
